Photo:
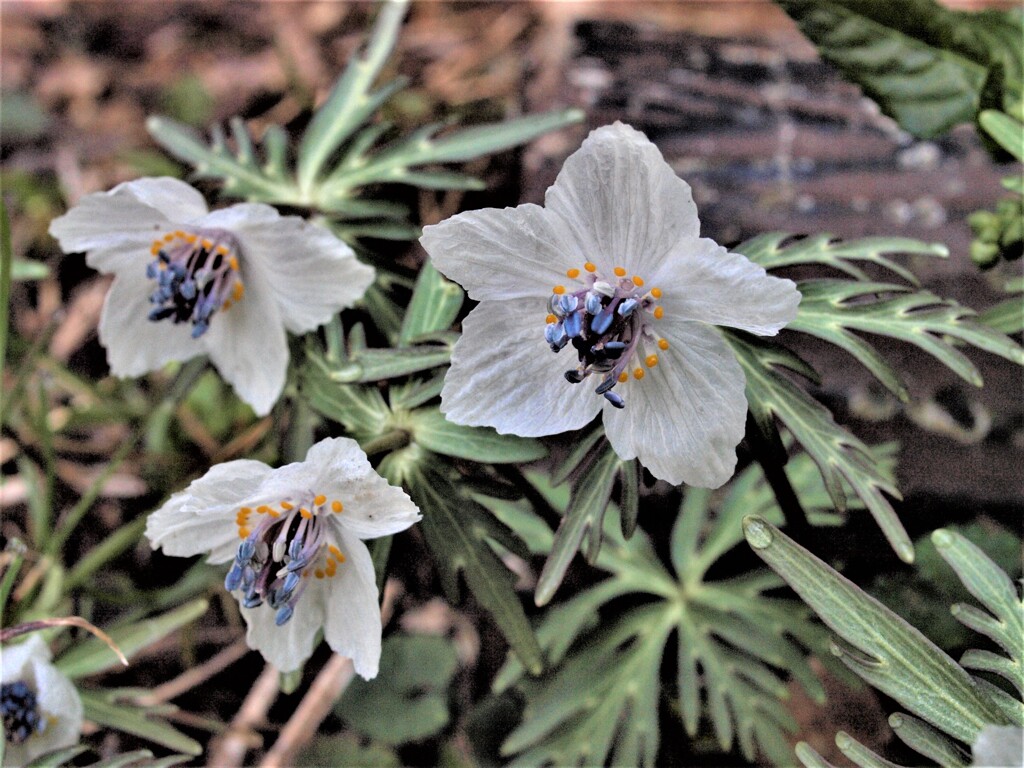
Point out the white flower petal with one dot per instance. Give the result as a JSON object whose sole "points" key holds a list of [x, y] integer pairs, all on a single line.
{"points": [[247, 344], [703, 281], [131, 214], [998, 745], [134, 343], [57, 699], [288, 646], [60, 704], [685, 418], [503, 253], [352, 627], [622, 202], [371, 507], [16, 657], [202, 517], [505, 376], [311, 273]]}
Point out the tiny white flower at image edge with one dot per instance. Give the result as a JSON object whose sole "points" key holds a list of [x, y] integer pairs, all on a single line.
{"points": [[613, 271], [41, 708], [226, 283], [294, 538]]}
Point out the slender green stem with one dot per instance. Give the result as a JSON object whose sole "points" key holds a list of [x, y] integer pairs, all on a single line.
{"points": [[7, 583], [389, 441], [797, 523], [74, 517]]}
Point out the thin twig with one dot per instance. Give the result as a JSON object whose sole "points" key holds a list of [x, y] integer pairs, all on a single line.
{"points": [[230, 750], [316, 704], [66, 621], [195, 676]]}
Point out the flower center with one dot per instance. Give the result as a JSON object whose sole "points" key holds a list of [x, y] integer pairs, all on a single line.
{"points": [[20, 710], [196, 275], [608, 322], [283, 549]]}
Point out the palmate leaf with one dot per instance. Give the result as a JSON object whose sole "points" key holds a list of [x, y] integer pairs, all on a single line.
{"points": [[896, 658], [844, 461], [599, 702], [774, 250], [832, 309], [342, 131], [459, 533], [925, 65], [408, 701]]}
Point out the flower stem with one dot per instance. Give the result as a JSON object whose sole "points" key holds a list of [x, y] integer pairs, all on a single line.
{"points": [[797, 524], [389, 441]]}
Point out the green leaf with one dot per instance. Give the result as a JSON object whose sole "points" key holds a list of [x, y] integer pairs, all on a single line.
{"points": [[1009, 133], [361, 410], [458, 532], [94, 656], [925, 65], [585, 513], [990, 584], [394, 163], [434, 432], [592, 703], [104, 709], [843, 460], [364, 365], [52, 759], [883, 649], [408, 700], [351, 102], [243, 177], [780, 249], [434, 306], [831, 309], [346, 749], [603, 701], [1006, 316], [921, 737]]}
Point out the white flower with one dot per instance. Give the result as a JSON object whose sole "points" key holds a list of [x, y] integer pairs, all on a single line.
{"points": [[41, 708], [225, 283], [614, 262], [295, 536]]}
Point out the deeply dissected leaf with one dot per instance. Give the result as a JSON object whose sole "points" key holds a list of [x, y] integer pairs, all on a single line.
{"points": [[597, 703], [925, 65], [882, 648], [987, 582], [832, 309], [350, 102], [361, 410], [458, 532], [408, 700], [840, 456], [922, 738], [434, 432], [434, 305], [774, 250]]}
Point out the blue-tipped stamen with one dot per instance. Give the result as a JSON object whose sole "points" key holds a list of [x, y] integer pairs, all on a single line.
{"points": [[280, 551], [20, 709], [614, 399], [605, 321], [196, 276]]}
